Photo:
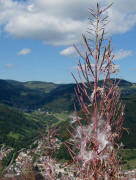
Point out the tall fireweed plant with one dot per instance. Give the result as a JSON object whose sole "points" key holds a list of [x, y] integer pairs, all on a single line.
{"points": [[95, 141]]}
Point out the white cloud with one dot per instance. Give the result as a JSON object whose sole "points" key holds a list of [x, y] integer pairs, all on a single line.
{"points": [[9, 66], [121, 54], [60, 22], [70, 51], [24, 52], [83, 67], [75, 68]]}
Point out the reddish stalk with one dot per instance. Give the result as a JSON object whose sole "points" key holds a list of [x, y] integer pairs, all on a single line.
{"points": [[95, 136]]}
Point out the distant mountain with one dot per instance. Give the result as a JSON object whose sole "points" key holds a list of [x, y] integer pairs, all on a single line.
{"points": [[31, 95], [63, 97], [60, 99], [16, 94]]}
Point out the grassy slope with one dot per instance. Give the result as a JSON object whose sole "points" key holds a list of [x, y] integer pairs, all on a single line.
{"points": [[129, 158], [42, 86], [15, 128]]}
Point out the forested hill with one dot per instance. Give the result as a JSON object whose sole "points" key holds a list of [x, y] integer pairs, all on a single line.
{"points": [[15, 94], [29, 96], [20, 97], [26, 96], [16, 129]]}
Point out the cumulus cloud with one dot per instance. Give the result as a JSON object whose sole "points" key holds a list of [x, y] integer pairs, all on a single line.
{"points": [[83, 67], [60, 22], [24, 52], [70, 51], [121, 54]]}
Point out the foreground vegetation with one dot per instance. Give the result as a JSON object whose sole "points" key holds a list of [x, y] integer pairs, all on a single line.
{"points": [[128, 159]]}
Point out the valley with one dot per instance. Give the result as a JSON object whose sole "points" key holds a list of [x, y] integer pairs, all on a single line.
{"points": [[28, 108]]}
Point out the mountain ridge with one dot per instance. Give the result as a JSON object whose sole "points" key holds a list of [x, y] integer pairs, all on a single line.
{"points": [[32, 95]]}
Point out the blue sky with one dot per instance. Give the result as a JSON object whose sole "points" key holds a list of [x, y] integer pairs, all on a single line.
{"points": [[36, 38]]}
